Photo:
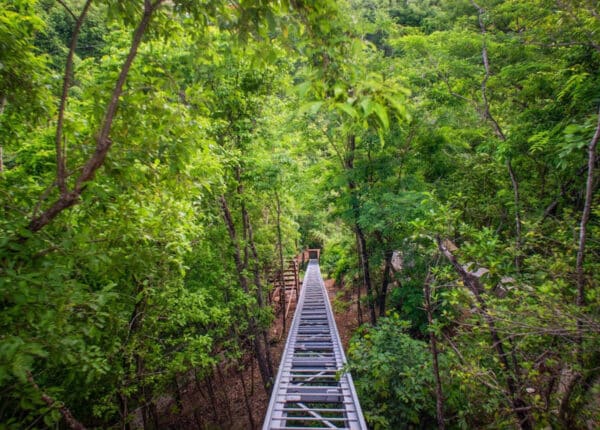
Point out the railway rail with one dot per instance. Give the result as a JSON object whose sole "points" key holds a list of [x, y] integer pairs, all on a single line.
{"points": [[310, 390]]}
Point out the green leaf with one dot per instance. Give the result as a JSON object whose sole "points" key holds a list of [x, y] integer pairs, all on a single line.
{"points": [[367, 106], [382, 115], [338, 90], [399, 108], [303, 88], [347, 108], [310, 107]]}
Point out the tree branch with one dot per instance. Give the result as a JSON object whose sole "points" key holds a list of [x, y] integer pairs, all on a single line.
{"points": [[439, 394], [71, 421], [585, 216], [70, 12], [472, 283], [487, 114], [61, 163], [552, 206], [472, 102], [103, 142]]}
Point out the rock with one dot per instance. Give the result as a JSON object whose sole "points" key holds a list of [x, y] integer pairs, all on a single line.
{"points": [[397, 261]]}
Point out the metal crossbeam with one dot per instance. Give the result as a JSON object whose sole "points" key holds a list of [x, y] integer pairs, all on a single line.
{"points": [[310, 391]]}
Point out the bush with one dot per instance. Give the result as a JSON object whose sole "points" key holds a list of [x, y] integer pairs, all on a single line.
{"points": [[393, 376]]}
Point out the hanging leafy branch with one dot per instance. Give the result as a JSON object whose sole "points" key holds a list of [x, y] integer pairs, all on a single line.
{"points": [[71, 197]]}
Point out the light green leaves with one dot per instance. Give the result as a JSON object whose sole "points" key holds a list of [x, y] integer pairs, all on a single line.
{"points": [[382, 115], [310, 108], [348, 109]]}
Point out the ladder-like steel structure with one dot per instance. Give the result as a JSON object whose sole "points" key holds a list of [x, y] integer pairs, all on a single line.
{"points": [[310, 391]]}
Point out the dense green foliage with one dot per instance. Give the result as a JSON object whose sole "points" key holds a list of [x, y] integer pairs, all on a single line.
{"points": [[149, 172], [393, 377], [136, 285], [493, 157]]}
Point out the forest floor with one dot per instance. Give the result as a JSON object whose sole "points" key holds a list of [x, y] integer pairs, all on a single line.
{"points": [[234, 400]]}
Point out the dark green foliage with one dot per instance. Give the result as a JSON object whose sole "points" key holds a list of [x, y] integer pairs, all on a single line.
{"points": [[392, 375]]}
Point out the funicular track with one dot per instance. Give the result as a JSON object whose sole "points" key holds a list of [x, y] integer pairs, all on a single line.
{"points": [[309, 391]]}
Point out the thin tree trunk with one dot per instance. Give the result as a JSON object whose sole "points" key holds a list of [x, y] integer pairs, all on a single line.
{"points": [[224, 391], [520, 407], [563, 190], [246, 401], [564, 405], [252, 376], [124, 411], [280, 248], [385, 282], [71, 421], [178, 396], [517, 199], [249, 241], [61, 157], [359, 314], [439, 394], [585, 216], [147, 417], [363, 254], [103, 142], [135, 324], [2, 107], [154, 414], [263, 362], [364, 261], [487, 115], [259, 291], [212, 398]]}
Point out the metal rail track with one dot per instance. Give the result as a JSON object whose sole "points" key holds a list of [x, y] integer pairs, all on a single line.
{"points": [[310, 391]]}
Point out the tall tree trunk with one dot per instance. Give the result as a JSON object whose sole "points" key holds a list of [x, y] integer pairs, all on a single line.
{"points": [[177, 394], [364, 262], [224, 390], [142, 396], [363, 254], [519, 406], [359, 313], [154, 414], [61, 156], [246, 400], [517, 200], [264, 334], [485, 112], [249, 244], [124, 411], [385, 282], [439, 394], [2, 107], [585, 215], [212, 398], [263, 362], [135, 324], [281, 268]]}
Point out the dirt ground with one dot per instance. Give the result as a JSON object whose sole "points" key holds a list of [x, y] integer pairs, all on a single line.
{"points": [[222, 404], [346, 314]]}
